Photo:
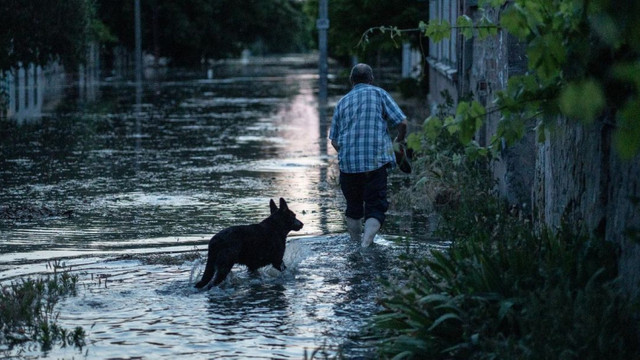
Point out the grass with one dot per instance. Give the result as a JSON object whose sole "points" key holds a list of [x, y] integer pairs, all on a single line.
{"points": [[27, 311]]}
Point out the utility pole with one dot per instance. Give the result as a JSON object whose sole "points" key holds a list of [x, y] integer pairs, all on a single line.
{"points": [[138, 56], [138, 39], [322, 24]]}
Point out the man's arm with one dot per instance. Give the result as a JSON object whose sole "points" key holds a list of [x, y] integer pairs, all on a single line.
{"points": [[402, 131]]}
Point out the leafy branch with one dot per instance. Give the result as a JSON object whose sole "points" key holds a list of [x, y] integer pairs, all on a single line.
{"points": [[583, 58], [436, 30], [394, 32]]}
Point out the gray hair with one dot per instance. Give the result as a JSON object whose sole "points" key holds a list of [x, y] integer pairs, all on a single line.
{"points": [[361, 73]]}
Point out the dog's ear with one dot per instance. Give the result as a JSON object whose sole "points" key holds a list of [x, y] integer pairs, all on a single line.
{"points": [[273, 207], [283, 204]]}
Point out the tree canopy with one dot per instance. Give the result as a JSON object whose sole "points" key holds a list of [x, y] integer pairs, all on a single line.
{"points": [[349, 19], [192, 30], [39, 31]]}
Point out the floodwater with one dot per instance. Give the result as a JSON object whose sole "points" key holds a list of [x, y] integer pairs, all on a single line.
{"points": [[157, 170]]}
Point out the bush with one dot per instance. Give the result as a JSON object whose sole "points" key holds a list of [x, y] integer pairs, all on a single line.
{"points": [[502, 290], [509, 296], [442, 173]]}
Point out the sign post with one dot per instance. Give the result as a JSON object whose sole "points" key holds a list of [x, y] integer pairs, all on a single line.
{"points": [[322, 24]]}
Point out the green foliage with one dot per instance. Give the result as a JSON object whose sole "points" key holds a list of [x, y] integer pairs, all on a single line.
{"points": [[38, 32], [574, 50], [571, 102], [190, 31], [486, 28], [582, 62], [466, 26], [440, 29], [492, 3], [468, 119], [350, 20], [27, 311], [502, 289], [443, 169], [101, 33], [437, 30], [626, 138], [511, 296]]}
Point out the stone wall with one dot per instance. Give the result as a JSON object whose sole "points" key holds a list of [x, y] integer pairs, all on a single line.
{"points": [[488, 65], [582, 182], [440, 81], [623, 215], [572, 168], [574, 176]]}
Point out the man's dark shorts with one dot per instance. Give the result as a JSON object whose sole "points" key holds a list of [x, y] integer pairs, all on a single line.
{"points": [[366, 194]]}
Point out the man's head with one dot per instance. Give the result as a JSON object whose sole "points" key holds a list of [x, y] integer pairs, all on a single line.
{"points": [[361, 74]]}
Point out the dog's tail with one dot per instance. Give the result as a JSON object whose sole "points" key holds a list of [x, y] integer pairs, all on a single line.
{"points": [[209, 270]]}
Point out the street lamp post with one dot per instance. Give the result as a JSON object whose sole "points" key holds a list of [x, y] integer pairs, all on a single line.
{"points": [[322, 24], [138, 39]]}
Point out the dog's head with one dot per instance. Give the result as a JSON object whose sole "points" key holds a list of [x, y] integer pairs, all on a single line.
{"points": [[286, 215]]}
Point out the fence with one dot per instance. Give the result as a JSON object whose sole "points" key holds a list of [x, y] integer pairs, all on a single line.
{"points": [[29, 90]]}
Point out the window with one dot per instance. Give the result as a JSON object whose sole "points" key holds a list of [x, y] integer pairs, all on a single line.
{"points": [[444, 52]]}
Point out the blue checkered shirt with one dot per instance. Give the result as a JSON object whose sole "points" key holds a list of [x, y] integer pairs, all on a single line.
{"points": [[359, 126]]}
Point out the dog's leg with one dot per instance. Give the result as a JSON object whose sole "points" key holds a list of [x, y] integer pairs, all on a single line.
{"points": [[279, 265], [276, 260], [209, 269], [221, 274], [206, 277]]}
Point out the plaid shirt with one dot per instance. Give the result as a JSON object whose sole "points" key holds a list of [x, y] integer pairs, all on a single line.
{"points": [[359, 126]]}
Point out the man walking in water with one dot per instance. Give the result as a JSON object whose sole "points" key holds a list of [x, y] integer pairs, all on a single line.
{"points": [[365, 151]]}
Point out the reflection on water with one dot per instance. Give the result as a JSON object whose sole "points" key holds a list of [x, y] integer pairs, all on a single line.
{"points": [[201, 155], [161, 175], [152, 311]]}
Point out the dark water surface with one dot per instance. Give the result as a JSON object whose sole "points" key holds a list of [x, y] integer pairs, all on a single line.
{"points": [[94, 186]]}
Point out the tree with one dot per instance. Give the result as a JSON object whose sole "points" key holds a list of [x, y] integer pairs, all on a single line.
{"points": [[350, 18], [40, 31], [190, 31]]}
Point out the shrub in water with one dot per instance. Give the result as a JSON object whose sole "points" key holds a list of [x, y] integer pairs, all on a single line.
{"points": [[27, 311]]}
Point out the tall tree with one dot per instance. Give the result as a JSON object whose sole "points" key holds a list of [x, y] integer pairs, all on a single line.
{"points": [[349, 19], [39, 31], [192, 30]]}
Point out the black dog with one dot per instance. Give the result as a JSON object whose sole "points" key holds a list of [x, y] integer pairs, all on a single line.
{"points": [[255, 245]]}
